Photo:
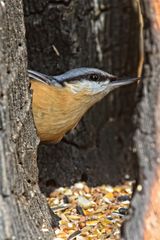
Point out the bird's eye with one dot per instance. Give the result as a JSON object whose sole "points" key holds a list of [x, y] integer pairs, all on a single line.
{"points": [[94, 77]]}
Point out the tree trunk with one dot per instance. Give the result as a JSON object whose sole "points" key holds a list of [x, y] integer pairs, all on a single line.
{"points": [[145, 217], [103, 34], [22, 210]]}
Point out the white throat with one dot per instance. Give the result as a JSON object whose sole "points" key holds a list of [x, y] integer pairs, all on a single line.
{"points": [[91, 87]]}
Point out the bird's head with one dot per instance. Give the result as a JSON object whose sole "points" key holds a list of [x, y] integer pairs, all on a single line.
{"points": [[91, 81]]}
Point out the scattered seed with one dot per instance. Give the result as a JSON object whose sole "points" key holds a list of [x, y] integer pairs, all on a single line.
{"points": [[90, 212], [123, 198], [92, 223], [59, 208], [84, 202], [80, 210], [66, 199], [74, 235], [123, 211]]}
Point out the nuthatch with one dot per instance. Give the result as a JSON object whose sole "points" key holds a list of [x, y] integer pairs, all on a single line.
{"points": [[59, 102]]}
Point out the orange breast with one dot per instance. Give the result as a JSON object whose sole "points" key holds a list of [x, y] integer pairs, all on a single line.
{"points": [[56, 110]]}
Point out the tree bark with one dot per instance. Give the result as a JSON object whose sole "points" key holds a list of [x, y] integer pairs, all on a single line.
{"points": [[103, 34], [22, 210], [145, 217]]}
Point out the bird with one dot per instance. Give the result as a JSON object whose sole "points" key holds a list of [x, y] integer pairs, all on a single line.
{"points": [[59, 102]]}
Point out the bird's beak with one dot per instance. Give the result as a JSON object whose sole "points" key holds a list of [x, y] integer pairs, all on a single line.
{"points": [[120, 82]]}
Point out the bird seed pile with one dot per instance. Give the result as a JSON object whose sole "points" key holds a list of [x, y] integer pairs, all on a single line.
{"points": [[90, 213]]}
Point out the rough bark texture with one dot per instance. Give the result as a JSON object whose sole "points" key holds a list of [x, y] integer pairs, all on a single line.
{"points": [[145, 217], [22, 211], [103, 34]]}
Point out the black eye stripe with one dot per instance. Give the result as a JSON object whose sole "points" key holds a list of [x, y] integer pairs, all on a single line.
{"points": [[91, 77], [94, 77]]}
